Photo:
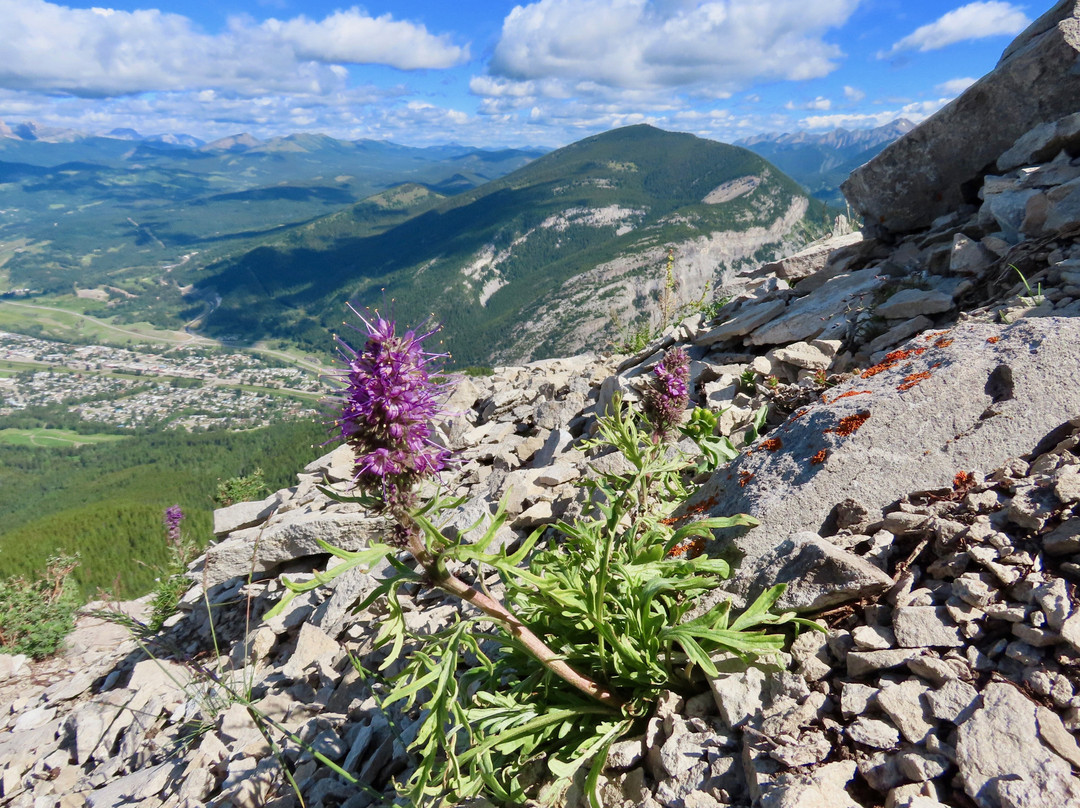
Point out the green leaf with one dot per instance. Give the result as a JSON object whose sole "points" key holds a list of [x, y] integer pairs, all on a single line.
{"points": [[756, 425], [757, 610]]}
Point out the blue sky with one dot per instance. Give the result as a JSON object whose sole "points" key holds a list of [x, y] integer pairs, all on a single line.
{"points": [[425, 72]]}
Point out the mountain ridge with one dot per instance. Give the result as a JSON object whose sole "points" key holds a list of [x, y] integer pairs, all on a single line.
{"points": [[499, 250]]}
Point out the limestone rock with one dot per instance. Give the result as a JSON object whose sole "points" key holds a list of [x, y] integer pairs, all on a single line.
{"points": [[12, 665], [804, 355], [906, 705], [810, 260], [749, 318], [954, 701], [1042, 143], [803, 318], [243, 514], [873, 732], [909, 303], [922, 175], [1002, 759], [973, 370], [921, 626], [817, 573], [822, 788], [294, 536]]}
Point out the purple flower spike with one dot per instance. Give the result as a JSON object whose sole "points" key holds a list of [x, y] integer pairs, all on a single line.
{"points": [[386, 411], [668, 394], [173, 516]]}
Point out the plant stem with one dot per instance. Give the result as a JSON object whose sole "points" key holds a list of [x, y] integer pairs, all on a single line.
{"points": [[442, 578]]}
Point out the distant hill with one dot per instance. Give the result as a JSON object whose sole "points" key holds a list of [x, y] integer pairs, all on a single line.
{"points": [[820, 162], [555, 257], [85, 211]]}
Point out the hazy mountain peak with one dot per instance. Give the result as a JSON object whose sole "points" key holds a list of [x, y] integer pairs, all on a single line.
{"points": [[124, 133], [234, 143]]}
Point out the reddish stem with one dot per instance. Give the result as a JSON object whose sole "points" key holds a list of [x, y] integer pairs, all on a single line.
{"points": [[443, 579]]}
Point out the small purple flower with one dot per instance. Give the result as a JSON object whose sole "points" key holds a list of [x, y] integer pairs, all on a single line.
{"points": [[173, 516], [668, 393], [386, 411]]}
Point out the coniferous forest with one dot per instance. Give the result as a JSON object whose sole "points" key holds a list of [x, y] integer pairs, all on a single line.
{"points": [[106, 502]]}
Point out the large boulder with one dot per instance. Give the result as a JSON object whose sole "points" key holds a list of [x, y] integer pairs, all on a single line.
{"points": [[963, 400], [934, 168]]}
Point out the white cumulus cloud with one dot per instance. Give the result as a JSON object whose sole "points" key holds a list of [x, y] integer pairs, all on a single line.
{"points": [[916, 112], [955, 86], [708, 48], [973, 21], [352, 37], [103, 52]]}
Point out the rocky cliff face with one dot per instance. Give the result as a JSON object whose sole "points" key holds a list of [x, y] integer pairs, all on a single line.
{"points": [[919, 489]]}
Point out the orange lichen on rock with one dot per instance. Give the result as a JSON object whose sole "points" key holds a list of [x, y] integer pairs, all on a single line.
{"points": [[850, 393], [772, 444], [891, 359], [692, 510], [745, 477], [993, 340], [706, 504], [798, 414], [943, 343], [913, 379], [691, 548], [819, 458], [963, 481], [850, 425], [934, 335]]}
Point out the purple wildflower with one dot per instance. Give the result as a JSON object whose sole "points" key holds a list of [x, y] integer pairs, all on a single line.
{"points": [[668, 394], [173, 516], [386, 411]]}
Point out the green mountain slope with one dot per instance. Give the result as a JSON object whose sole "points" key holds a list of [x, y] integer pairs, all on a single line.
{"points": [[487, 260], [109, 212]]}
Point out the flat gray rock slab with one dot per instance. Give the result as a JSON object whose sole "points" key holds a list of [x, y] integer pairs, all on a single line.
{"points": [[295, 536], [808, 317], [131, 789], [244, 514], [749, 317], [926, 626], [1003, 759], [975, 396], [810, 260], [909, 303]]}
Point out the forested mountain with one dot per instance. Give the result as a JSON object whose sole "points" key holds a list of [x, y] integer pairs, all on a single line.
{"points": [[547, 259]]}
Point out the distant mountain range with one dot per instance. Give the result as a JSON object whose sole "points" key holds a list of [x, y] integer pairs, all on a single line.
{"points": [[556, 257], [820, 162]]}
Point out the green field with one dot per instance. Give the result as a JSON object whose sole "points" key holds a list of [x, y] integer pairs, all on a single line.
{"points": [[52, 438], [9, 368], [54, 319]]}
